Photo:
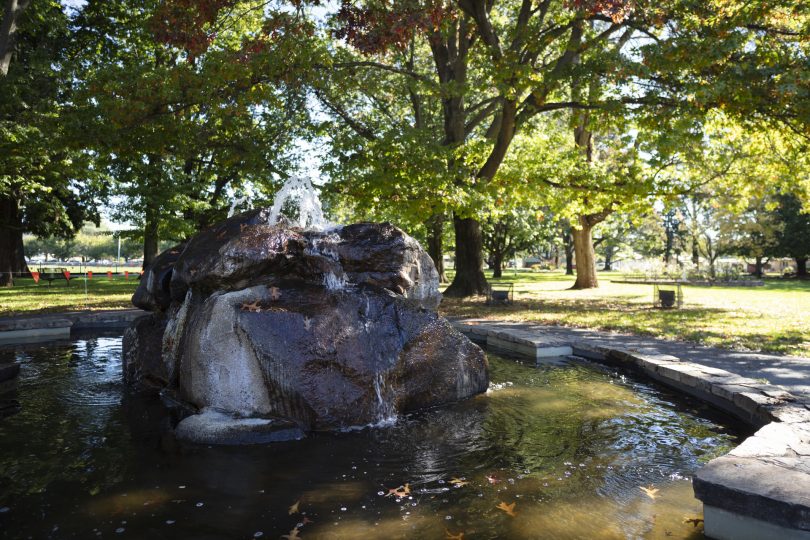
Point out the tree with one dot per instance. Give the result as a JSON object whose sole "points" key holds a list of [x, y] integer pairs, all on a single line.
{"points": [[509, 233], [611, 236], [674, 233], [793, 239], [752, 232], [493, 66], [47, 184], [227, 109], [523, 58], [12, 11]]}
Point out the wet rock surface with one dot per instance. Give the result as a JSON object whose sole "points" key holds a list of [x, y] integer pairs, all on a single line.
{"points": [[325, 329]]}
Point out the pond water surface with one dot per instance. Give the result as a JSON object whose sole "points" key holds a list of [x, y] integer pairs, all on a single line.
{"points": [[570, 446]]}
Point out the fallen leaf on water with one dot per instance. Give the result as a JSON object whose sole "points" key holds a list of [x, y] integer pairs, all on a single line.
{"points": [[400, 492], [492, 479], [253, 306], [458, 482], [293, 535], [294, 508], [451, 536], [508, 508], [650, 491], [694, 521]]}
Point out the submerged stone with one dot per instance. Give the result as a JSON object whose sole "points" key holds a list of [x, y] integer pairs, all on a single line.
{"points": [[325, 329], [213, 427]]}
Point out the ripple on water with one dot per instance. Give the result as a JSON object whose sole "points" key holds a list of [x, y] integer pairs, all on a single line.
{"points": [[570, 446]]}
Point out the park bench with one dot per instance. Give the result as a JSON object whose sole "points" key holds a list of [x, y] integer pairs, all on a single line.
{"points": [[501, 293], [57, 273]]}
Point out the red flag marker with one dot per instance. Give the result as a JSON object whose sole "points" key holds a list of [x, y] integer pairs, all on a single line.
{"points": [[89, 274], [35, 275]]}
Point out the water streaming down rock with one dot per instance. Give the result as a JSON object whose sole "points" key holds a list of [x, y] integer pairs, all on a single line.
{"points": [[315, 328]]}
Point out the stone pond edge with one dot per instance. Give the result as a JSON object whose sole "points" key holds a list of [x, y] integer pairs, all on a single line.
{"points": [[41, 327], [761, 489]]}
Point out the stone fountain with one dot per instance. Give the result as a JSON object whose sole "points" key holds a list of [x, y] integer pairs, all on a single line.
{"points": [[266, 329]]}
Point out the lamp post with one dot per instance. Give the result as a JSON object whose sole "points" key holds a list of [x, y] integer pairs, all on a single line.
{"points": [[118, 257]]}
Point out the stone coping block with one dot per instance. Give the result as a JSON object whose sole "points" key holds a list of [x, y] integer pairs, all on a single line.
{"points": [[56, 326], [34, 323], [503, 338], [756, 488], [760, 487]]}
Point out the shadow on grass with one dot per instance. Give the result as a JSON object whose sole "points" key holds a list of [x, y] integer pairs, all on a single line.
{"points": [[709, 326]]}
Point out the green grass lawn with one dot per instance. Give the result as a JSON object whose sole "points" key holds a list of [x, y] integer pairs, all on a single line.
{"points": [[773, 318], [27, 297]]}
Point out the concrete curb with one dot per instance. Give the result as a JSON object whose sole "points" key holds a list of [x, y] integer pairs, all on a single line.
{"points": [[759, 490], [56, 326]]}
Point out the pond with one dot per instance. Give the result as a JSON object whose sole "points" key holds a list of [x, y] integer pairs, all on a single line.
{"points": [[558, 451]]}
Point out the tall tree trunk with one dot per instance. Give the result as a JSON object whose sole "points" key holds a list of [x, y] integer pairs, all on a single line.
{"points": [[801, 267], [469, 279], [450, 54], [150, 237], [608, 258], [568, 244], [585, 256], [12, 254], [497, 265], [8, 27], [435, 242], [669, 245], [758, 267], [583, 236]]}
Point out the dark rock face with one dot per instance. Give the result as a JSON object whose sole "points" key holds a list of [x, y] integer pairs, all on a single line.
{"points": [[325, 329], [9, 371], [143, 349], [154, 294]]}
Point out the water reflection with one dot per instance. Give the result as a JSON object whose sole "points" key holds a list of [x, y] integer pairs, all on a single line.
{"points": [[569, 446]]}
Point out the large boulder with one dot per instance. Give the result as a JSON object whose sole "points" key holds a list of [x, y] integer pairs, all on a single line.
{"points": [[327, 329]]}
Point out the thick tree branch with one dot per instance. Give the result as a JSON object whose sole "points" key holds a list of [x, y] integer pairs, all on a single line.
{"points": [[356, 126], [478, 10], [384, 67], [481, 116], [11, 13]]}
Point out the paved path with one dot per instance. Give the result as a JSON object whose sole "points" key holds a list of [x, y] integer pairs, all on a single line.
{"points": [[791, 372]]}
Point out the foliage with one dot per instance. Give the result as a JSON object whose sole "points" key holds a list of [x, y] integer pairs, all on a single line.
{"points": [[48, 185], [182, 123], [793, 238], [513, 231], [91, 243]]}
